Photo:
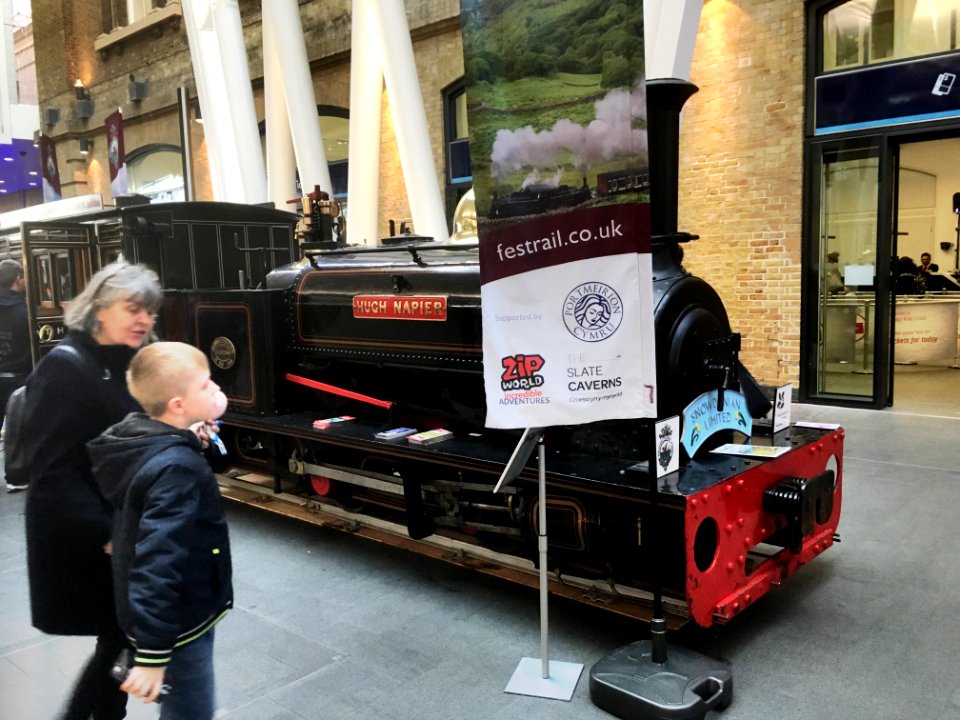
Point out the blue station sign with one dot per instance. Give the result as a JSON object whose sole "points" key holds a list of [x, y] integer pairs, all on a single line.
{"points": [[912, 91]]}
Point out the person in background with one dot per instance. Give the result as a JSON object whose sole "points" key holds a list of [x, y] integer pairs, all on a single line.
{"points": [[72, 397], [933, 280], [909, 281], [171, 548], [14, 331], [927, 267], [832, 279]]}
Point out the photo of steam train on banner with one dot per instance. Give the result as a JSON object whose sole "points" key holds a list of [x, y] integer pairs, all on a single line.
{"points": [[539, 197]]}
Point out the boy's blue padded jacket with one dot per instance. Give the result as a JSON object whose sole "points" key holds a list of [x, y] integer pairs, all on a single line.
{"points": [[171, 550]]}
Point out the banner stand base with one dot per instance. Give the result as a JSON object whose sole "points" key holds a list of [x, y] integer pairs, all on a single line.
{"points": [[528, 679]]}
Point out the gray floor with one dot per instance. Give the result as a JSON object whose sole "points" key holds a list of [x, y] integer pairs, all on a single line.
{"points": [[330, 626]]}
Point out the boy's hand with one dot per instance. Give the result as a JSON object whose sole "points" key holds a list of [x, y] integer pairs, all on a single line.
{"points": [[144, 682], [205, 431]]}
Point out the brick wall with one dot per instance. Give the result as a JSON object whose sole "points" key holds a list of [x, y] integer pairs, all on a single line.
{"points": [[65, 31], [741, 148]]}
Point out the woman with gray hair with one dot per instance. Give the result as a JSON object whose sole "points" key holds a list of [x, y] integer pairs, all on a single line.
{"points": [[75, 392]]}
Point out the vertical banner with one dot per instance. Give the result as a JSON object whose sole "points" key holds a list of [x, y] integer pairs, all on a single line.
{"points": [[116, 154], [558, 144], [48, 169]]}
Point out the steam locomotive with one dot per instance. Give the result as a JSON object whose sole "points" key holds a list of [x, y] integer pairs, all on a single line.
{"points": [[320, 347]]}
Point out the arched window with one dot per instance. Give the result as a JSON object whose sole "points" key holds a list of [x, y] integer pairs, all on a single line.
{"points": [[335, 129], [156, 171]]}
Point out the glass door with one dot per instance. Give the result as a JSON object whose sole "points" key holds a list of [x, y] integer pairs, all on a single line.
{"points": [[847, 278]]}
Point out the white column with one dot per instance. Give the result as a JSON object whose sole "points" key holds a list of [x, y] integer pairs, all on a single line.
{"points": [[240, 111], [366, 92], [210, 94], [281, 162], [670, 34], [215, 35], [651, 21], [8, 72], [281, 18], [410, 120]]}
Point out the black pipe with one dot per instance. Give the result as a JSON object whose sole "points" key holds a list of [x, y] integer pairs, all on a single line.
{"points": [[665, 100]]}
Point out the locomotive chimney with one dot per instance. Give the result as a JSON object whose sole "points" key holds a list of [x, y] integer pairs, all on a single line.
{"points": [[665, 99]]}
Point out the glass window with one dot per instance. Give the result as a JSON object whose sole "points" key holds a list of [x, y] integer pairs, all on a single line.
{"points": [[336, 138], [459, 172], [458, 140], [335, 129], [847, 260], [863, 32], [137, 9], [157, 174]]}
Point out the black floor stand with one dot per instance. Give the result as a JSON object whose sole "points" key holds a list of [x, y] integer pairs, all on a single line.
{"points": [[644, 681]]}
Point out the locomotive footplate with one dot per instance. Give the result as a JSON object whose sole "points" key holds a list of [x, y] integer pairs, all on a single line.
{"points": [[732, 528]]}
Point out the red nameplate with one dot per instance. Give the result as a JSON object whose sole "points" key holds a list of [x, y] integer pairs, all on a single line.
{"points": [[396, 307]]}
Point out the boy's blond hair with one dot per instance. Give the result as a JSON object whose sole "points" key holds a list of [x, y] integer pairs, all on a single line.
{"points": [[162, 371]]}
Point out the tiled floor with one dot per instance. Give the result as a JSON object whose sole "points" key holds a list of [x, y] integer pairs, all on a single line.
{"points": [[331, 626]]}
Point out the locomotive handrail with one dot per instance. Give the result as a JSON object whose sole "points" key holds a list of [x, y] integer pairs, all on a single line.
{"points": [[413, 247], [675, 237], [236, 244]]}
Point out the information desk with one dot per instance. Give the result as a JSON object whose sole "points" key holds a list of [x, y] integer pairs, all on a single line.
{"points": [[925, 331]]}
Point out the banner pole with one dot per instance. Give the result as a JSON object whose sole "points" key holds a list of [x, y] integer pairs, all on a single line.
{"points": [[528, 679], [544, 578]]}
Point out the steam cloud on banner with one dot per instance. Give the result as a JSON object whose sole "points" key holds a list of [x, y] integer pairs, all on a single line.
{"points": [[612, 134]]}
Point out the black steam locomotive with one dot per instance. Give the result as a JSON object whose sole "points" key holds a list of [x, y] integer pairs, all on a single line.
{"points": [[320, 347], [537, 199]]}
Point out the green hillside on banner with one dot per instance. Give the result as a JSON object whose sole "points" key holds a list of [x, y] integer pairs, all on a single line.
{"points": [[554, 95]]}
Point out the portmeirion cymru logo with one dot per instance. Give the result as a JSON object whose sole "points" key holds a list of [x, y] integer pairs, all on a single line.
{"points": [[592, 312]]}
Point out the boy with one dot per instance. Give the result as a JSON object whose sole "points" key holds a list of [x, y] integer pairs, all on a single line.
{"points": [[171, 552]]}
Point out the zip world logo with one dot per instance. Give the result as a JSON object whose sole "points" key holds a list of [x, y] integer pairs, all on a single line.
{"points": [[521, 372], [944, 84]]}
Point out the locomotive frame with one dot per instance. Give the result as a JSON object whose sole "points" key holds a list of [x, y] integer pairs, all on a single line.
{"points": [[732, 529]]}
